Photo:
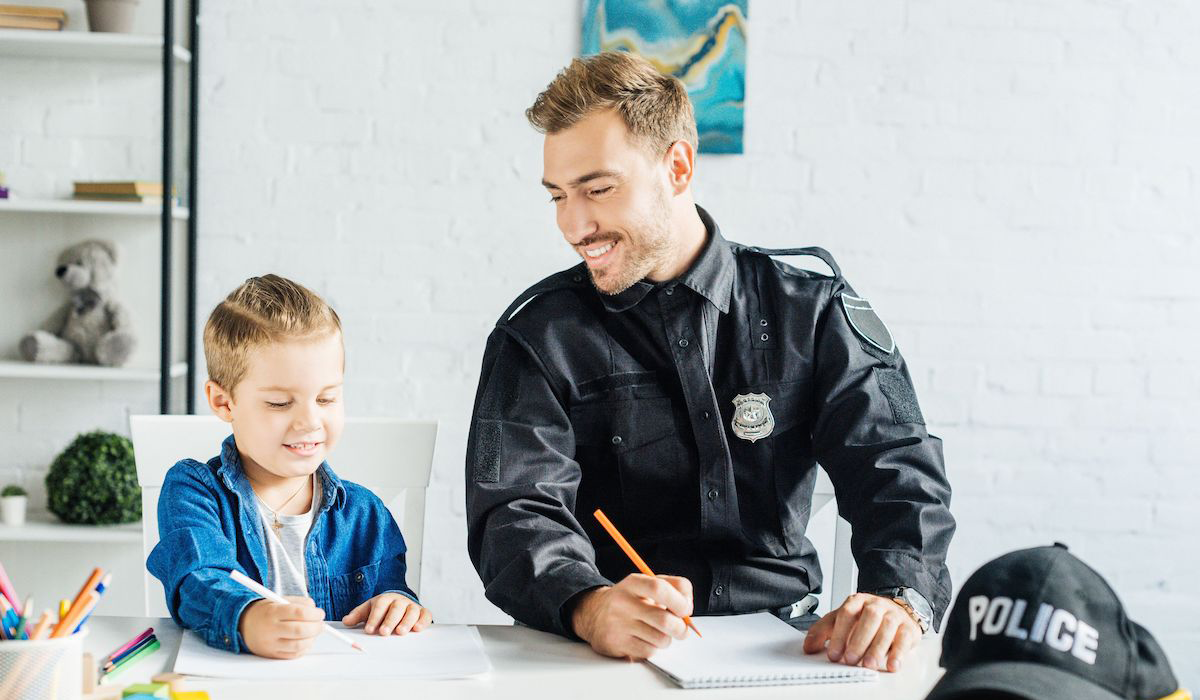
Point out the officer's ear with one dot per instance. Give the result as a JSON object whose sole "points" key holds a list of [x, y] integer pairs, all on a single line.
{"points": [[681, 165]]}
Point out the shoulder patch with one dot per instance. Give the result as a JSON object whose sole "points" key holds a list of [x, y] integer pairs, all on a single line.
{"points": [[866, 323]]}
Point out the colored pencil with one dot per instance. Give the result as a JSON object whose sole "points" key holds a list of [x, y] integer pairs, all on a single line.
{"points": [[6, 588], [23, 623], [129, 645], [63, 606], [89, 589], [633, 555], [100, 588], [42, 625], [133, 658], [275, 598], [116, 660], [66, 625]]}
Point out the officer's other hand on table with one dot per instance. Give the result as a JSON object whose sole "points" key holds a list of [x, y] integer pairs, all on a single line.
{"points": [[867, 629], [635, 617]]}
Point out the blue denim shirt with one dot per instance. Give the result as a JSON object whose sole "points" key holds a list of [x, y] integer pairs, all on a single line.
{"points": [[209, 525]]}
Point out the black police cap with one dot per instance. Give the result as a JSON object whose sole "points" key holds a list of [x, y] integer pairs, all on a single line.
{"points": [[1039, 623]]}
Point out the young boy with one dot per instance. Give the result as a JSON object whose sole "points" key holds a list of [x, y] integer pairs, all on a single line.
{"points": [[269, 505]]}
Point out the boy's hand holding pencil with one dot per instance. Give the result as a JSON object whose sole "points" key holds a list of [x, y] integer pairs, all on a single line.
{"points": [[389, 613], [281, 630]]}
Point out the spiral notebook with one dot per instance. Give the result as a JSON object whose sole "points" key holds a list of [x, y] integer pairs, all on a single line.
{"points": [[747, 650]]}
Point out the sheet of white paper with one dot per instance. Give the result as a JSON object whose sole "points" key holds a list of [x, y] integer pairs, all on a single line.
{"points": [[755, 649], [440, 651]]}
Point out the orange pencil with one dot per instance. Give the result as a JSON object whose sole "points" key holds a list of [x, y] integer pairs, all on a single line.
{"points": [[88, 587], [40, 628], [67, 625], [629, 552]]}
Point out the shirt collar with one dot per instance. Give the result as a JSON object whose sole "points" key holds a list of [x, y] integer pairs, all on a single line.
{"points": [[711, 275], [234, 476]]}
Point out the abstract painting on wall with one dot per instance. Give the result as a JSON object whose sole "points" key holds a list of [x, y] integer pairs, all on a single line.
{"points": [[701, 42]]}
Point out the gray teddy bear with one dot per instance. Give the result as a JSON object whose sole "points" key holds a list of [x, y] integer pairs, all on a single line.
{"points": [[92, 327]]}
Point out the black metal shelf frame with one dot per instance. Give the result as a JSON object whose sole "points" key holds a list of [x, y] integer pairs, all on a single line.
{"points": [[168, 153]]}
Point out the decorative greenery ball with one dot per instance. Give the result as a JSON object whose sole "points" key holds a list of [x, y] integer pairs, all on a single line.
{"points": [[94, 482], [13, 490]]}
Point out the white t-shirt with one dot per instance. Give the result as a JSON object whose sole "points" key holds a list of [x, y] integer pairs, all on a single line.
{"points": [[285, 547]]}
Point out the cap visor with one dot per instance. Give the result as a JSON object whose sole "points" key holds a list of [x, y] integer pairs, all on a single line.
{"points": [[1021, 678]]}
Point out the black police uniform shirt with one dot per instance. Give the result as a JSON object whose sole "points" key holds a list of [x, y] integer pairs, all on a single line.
{"points": [[694, 414]]}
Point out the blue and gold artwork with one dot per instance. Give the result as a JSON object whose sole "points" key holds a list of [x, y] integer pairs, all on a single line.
{"points": [[701, 42]]}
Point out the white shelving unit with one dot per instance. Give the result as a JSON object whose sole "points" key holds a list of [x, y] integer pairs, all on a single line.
{"points": [[26, 43], [45, 552], [43, 527], [88, 208], [30, 370]]}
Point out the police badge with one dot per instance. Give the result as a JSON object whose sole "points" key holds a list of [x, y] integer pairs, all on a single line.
{"points": [[752, 419]]}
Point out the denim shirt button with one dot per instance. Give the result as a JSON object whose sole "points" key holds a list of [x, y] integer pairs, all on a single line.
{"points": [[228, 642], [358, 577]]}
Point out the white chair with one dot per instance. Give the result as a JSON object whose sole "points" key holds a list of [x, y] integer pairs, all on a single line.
{"points": [[842, 570], [391, 457]]}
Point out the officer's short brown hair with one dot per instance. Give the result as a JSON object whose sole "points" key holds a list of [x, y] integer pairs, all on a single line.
{"points": [[263, 310], [655, 107]]}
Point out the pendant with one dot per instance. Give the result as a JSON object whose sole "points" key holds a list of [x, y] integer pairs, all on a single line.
{"points": [[277, 525]]}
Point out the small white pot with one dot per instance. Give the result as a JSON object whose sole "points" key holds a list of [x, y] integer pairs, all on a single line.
{"points": [[12, 509], [111, 15]]}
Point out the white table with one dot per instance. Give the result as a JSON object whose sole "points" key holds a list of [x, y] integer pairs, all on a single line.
{"points": [[526, 664]]}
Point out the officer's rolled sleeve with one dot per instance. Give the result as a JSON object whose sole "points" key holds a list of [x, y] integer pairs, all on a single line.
{"points": [[887, 471], [522, 534]]}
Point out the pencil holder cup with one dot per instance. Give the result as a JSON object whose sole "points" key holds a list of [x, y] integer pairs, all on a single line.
{"points": [[42, 670]]}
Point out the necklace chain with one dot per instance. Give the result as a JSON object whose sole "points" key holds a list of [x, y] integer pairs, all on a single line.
{"points": [[274, 515]]}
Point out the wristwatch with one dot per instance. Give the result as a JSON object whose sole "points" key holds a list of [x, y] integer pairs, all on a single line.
{"points": [[913, 603]]}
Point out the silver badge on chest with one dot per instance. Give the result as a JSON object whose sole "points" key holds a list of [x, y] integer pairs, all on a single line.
{"points": [[752, 419]]}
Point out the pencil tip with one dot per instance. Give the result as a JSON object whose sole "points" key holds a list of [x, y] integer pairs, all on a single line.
{"points": [[357, 647]]}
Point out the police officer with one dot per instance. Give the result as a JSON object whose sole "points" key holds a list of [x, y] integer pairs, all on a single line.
{"points": [[688, 386]]}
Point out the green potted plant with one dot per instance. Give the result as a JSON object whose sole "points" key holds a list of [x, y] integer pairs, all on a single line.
{"points": [[94, 482], [12, 505]]}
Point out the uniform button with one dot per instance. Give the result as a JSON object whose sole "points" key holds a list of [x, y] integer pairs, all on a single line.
{"points": [[683, 342], [616, 439], [762, 322], [712, 494], [670, 290], [764, 337], [577, 278], [358, 577], [719, 589], [706, 415]]}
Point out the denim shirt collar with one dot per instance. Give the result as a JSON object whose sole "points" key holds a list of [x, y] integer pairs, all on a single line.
{"points": [[233, 475], [711, 275]]}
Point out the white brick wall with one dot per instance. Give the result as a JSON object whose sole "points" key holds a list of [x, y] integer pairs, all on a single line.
{"points": [[1012, 183]]}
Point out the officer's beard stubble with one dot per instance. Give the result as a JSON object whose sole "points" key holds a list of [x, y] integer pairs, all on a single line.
{"points": [[648, 245]]}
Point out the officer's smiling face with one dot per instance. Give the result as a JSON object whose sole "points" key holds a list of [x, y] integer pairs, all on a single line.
{"points": [[612, 201]]}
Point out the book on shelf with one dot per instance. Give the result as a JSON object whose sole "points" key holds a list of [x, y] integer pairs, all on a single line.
{"points": [[119, 188], [135, 198], [28, 17]]}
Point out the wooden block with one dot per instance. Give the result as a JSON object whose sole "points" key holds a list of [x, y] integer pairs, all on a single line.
{"points": [[104, 692], [89, 673], [173, 680], [154, 690], [190, 695]]}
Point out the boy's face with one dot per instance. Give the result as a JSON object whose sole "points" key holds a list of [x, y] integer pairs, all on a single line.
{"points": [[287, 411], [612, 200]]}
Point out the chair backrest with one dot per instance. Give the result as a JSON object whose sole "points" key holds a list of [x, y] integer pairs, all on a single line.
{"points": [[391, 457], [842, 571]]}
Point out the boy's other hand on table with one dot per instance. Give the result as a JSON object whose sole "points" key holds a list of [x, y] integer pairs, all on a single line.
{"points": [[389, 613], [279, 631]]}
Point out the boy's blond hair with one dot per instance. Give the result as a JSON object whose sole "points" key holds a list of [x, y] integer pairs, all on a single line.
{"points": [[655, 107], [261, 311]]}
